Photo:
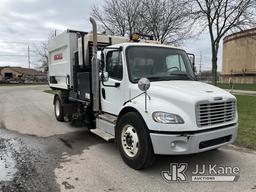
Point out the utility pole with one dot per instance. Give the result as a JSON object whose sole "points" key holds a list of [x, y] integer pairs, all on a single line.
{"points": [[29, 57], [200, 64]]}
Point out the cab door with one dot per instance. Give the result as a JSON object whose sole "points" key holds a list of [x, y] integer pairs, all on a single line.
{"points": [[114, 91]]}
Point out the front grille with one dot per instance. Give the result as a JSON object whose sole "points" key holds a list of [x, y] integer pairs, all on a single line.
{"points": [[215, 113]]}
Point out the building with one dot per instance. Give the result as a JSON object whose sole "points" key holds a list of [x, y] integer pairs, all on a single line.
{"points": [[20, 74], [239, 57], [1, 77], [206, 76]]}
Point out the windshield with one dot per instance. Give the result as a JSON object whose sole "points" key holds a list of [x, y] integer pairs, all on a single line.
{"points": [[158, 64]]}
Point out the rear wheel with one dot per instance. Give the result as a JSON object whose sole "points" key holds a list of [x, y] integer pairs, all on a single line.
{"points": [[58, 109], [134, 142]]}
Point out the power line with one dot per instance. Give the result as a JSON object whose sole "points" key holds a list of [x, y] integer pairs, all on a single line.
{"points": [[12, 55], [22, 41]]}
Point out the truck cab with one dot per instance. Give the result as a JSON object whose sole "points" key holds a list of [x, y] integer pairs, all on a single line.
{"points": [[144, 95]]}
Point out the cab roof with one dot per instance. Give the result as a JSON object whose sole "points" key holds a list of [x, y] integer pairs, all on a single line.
{"points": [[125, 45]]}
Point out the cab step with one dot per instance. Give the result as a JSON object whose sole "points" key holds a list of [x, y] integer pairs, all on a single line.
{"points": [[104, 135], [108, 117]]}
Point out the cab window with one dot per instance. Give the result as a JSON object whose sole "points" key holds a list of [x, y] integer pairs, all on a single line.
{"points": [[114, 65]]}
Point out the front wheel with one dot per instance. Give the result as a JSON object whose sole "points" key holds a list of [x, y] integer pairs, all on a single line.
{"points": [[134, 142]]}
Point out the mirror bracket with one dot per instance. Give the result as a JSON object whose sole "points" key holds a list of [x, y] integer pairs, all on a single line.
{"points": [[144, 85]]}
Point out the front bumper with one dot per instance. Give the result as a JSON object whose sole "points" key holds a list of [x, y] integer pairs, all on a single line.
{"points": [[189, 143]]}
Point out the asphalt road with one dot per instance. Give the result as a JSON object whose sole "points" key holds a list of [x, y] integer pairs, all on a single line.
{"points": [[37, 153]]}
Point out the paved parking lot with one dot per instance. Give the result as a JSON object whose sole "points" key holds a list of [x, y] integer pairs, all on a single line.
{"points": [[40, 154]]}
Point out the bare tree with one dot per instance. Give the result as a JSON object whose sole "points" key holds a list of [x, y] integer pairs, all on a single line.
{"points": [[41, 51], [118, 17], [221, 17], [166, 20]]}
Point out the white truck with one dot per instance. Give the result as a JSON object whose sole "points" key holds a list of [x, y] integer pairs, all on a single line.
{"points": [[140, 93]]}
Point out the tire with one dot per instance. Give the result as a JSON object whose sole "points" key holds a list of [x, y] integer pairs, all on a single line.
{"points": [[58, 109], [137, 155]]}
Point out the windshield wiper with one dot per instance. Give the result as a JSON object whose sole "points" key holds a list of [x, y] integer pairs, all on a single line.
{"points": [[157, 78], [164, 78], [154, 78], [184, 74]]}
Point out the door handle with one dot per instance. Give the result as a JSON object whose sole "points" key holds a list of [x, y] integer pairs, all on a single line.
{"points": [[115, 85]]}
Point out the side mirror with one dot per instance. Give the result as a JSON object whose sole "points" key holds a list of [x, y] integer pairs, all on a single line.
{"points": [[104, 76], [144, 84], [191, 58], [102, 62], [192, 61], [194, 68]]}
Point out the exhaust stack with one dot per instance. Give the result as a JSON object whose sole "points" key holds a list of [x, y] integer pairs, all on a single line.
{"points": [[95, 68]]}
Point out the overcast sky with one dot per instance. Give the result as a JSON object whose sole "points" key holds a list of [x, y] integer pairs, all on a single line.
{"points": [[28, 22]]}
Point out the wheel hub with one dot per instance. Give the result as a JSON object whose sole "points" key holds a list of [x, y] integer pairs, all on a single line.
{"points": [[130, 141]]}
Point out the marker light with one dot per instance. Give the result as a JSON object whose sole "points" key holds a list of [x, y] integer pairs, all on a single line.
{"points": [[135, 37]]}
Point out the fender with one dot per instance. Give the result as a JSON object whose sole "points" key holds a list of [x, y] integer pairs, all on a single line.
{"points": [[156, 104]]}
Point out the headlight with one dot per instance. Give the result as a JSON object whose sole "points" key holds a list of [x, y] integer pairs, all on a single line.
{"points": [[167, 118]]}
